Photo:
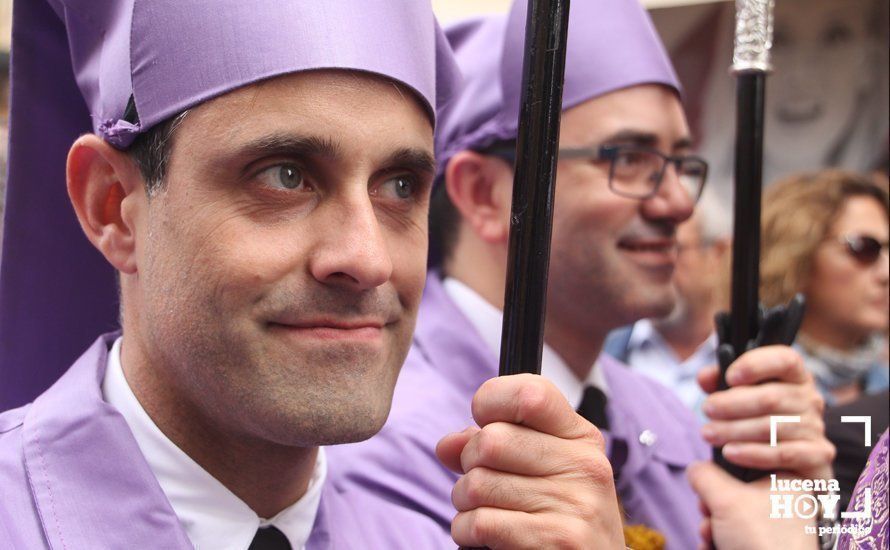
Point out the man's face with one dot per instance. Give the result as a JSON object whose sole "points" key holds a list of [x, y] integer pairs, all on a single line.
{"points": [[281, 268], [612, 256], [699, 270]]}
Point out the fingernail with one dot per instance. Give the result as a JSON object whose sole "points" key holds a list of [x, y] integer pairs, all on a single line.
{"points": [[707, 432], [733, 377], [730, 449]]}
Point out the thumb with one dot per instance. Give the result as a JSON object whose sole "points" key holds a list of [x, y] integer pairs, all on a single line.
{"points": [[450, 447], [710, 483]]}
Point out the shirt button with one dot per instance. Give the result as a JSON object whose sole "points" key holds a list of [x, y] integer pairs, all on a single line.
{"points": [[648, 438]]}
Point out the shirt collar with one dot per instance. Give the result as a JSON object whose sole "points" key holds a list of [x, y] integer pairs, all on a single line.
{"points": [[212, 516], [488, 322], [643, 332]]}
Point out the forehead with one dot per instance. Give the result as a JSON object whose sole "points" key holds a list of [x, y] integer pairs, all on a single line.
{"points": [[344, 106], [862, 214], [646, 109]]}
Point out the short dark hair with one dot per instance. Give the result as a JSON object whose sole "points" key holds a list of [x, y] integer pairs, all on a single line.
{"points": [[444, 217], [151, 152]]}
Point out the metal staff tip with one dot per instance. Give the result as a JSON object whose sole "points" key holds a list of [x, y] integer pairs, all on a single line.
{"points": [[753, 36]]}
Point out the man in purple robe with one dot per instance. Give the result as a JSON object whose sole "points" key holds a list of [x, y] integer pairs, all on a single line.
{"points": [[626, 179], [257, 176]]}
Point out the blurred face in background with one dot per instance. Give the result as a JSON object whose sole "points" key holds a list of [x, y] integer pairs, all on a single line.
{"points": [[846, 296], [698, 272], [820, 52]]}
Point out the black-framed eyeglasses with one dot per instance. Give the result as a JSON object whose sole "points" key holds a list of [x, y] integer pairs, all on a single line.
{"points": [[637, 172], [865, 249]]}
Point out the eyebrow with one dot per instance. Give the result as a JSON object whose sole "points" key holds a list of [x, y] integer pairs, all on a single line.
{"points": [[645, 139], [291, 145], [416, 160]]}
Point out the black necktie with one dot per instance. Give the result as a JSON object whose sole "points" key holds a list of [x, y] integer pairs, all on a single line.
{"points": [[269, 538], [593, 407]]}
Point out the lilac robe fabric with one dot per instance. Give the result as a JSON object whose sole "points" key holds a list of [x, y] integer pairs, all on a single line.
{"points": [[72, 477], [870, 533], [447, 363]]}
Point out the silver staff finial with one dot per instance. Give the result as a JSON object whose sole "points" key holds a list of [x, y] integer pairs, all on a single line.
{"points": [[753, 36]]}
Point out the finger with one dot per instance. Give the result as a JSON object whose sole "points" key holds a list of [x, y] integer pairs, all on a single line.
{"points": [[495, 528], [708, 378], [532, 401], [706, 535], [520, 450], [450, 447], [489, 527], [486, 488], [767, 364], [757, 430], [712, 485], [807, 459], [774, 398]]}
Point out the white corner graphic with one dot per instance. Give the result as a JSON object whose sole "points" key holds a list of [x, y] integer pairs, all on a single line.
{"points": [[863, 420], [774, 421]]}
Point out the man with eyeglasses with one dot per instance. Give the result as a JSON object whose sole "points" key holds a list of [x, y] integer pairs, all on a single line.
{"points": [[626, 179], [674, 348]]}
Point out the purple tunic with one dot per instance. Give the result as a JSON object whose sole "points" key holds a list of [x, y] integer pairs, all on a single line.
{"points": [[448, 361], [870, 533], [72, 477]]}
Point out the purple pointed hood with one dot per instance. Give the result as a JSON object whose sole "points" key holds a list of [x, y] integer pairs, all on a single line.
{"points": [[612, 44]]}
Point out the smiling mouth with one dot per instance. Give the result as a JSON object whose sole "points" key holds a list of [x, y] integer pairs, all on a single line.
{"points": [[664, 247], [345, 332]]}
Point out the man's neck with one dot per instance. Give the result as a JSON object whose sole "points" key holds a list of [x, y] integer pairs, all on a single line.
{"points": [[266, 476], [579, 351]]}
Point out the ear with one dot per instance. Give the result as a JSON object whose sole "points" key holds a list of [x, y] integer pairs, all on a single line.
{"points": [[108, 195], [480, 187]]}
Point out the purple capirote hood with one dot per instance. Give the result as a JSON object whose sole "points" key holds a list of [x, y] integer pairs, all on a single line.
{"points": [[612, 44], [119, 67]]}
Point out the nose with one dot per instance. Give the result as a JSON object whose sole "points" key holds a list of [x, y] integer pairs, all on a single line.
{"points": [[672, 202], [350, 249]]}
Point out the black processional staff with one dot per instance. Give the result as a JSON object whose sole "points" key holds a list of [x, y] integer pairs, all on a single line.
{"points": [[747, 325], [531, 217]]}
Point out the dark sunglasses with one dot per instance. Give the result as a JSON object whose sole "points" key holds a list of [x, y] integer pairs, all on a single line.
{"points": [[863, 248]]}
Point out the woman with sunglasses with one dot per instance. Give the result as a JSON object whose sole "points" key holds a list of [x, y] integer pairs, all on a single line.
{"points": [[825, 234]]}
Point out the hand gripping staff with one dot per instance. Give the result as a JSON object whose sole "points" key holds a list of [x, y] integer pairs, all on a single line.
{"points": [[531, 217], [749, 325]]}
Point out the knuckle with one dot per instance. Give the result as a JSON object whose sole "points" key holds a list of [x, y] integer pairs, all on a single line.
{"points": [[817, 402], [475, 487], [532, 400], [786, 455], [481, 527], [490, 442], [594, 435], [830, 451], [570, 535], [770, 399], [594, 466]]}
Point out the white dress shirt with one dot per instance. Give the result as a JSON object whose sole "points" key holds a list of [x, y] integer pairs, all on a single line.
{"points": [[488, 322], [650, 355], [213, 517]]}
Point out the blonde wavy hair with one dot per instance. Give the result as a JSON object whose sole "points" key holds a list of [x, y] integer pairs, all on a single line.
{"points": [[798, 213]]}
